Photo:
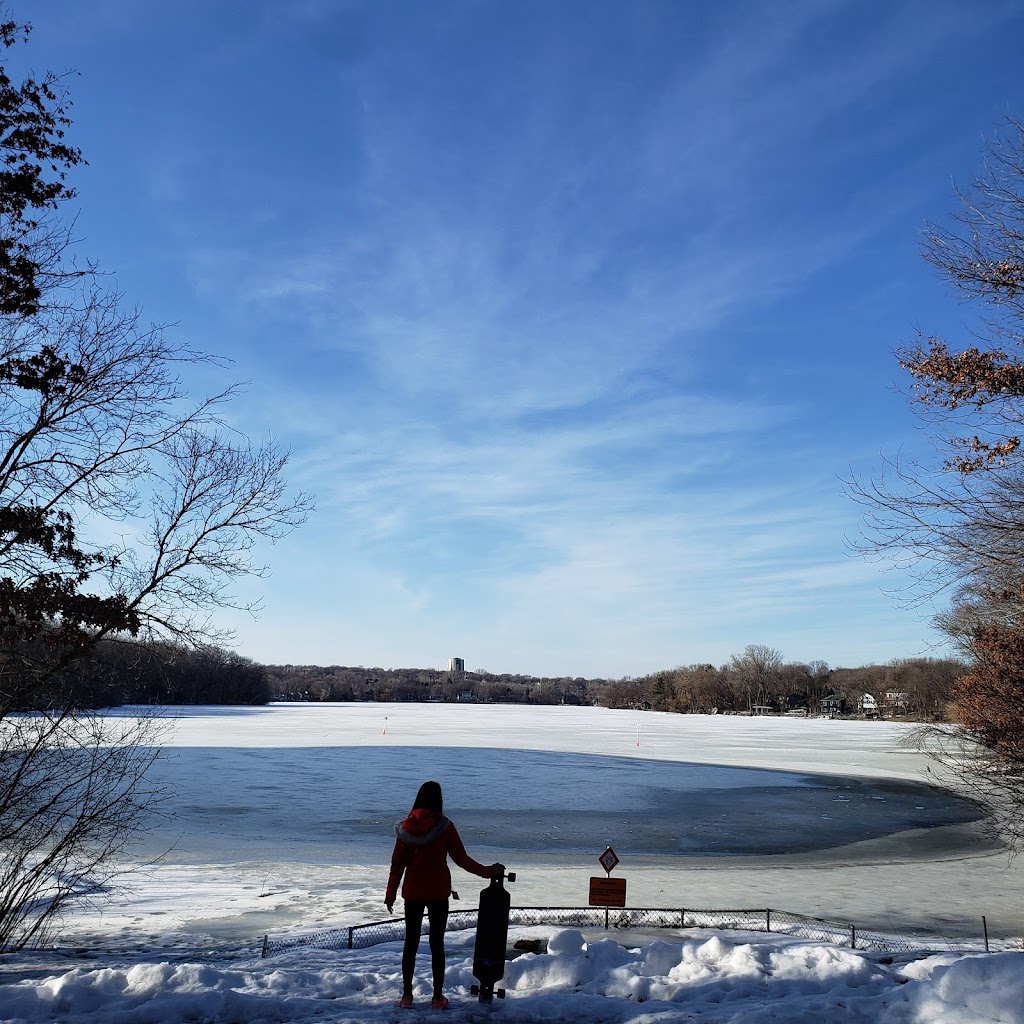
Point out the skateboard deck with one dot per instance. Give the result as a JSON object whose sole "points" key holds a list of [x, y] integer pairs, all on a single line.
{"points": [[491, 938]]}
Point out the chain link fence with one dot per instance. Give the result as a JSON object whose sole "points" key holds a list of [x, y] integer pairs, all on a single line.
{"points": [[759, 920]]}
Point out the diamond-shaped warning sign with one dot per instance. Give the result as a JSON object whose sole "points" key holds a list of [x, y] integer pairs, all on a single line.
{"points": [[608, 860]]}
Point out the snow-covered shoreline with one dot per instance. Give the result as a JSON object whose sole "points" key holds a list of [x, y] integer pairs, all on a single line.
{"points": [[184, 944]]}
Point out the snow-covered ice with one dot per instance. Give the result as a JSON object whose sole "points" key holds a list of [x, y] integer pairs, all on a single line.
{"points": [[281, 822]]}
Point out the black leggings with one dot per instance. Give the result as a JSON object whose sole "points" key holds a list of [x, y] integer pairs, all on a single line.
{"points": [[437, 916]]}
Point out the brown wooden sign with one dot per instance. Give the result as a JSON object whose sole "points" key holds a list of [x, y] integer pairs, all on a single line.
{"points": [[607, 892]]}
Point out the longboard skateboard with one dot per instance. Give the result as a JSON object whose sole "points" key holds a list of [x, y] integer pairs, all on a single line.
{"points": [[491, 938]]}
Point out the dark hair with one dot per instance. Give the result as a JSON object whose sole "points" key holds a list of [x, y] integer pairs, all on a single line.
{"points": [[429, 797]]}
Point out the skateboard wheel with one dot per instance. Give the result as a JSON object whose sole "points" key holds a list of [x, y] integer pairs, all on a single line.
{"points": [[474, 990], [511, 876], [501, 993]]}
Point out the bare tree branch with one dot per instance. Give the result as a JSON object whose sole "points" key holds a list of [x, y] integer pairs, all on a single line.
{"points": [[97, 430], [958, 526]]}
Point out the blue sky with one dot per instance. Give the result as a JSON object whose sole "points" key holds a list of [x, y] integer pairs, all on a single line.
{"points": [[574, 313]]}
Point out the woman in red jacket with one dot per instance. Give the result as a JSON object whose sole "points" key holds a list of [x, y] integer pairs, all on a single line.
{"points": [[425, 840]]}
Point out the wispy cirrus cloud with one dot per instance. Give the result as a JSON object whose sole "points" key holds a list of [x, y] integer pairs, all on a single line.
{"points": [[571, 313]]}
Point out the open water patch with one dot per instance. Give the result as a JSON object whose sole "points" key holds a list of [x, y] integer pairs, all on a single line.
{"points": [[337, 804]]}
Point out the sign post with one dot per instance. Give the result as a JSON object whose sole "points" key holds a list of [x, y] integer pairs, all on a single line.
{"points": [[607, 892]]}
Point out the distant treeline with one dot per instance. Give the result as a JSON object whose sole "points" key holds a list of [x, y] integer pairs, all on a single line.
{"points": [[757, 681], [340, 683], [116, 673], [918, 688]]}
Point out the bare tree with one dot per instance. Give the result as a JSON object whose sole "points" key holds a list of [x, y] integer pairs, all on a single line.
{"points": [[959, 524], [928, 684], [97, 438], [73, 798], [977, 391], [756, 671], [702, 689], [819, 673]]}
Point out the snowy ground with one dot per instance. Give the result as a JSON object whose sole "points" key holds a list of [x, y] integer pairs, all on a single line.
{"points": [[281, 820]]}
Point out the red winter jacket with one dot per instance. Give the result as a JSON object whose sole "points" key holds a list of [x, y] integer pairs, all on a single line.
{"points": [[425, 841]]}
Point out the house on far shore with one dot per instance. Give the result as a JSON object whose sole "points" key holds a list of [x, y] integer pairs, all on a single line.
{"points": [[896, 702], [833, 704], [867, 705]]}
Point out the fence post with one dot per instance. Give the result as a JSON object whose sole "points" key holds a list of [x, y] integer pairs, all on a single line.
{"points": [[351, 939], [768, 919], [266, 947], [853, 936], [682, 918], [984, 925]]}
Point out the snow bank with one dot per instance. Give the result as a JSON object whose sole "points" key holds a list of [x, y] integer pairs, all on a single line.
{"points": [[713, 976]]}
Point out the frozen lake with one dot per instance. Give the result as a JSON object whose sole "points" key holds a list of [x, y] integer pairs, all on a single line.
{"points": [[282, 817]]}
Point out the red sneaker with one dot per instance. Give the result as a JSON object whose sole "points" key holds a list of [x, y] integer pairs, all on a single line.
{"points": [[405, 1002], [439, 1003]]}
